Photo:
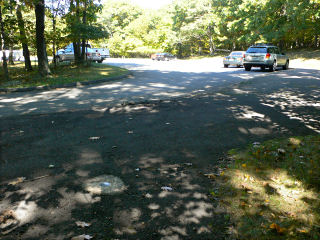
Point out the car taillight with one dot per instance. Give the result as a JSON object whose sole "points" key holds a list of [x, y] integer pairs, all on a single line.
{"points": [[244, 56], [268, 55], [88, 54]]}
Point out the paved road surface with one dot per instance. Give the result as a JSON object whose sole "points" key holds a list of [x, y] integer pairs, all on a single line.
{"points": [[150, 80], [145, 145]]}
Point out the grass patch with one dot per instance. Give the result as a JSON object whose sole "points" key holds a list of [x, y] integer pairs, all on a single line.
{"points": [[271, 190], [304, 54], [62, 74]]}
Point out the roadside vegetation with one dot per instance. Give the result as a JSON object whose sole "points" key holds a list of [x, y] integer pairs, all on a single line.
{"points": [[272, 190], [184, 28], [200, 27], [61, 74]]}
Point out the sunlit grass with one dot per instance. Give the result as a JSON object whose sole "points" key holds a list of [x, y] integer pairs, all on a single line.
{"points": [[304, 54], [62, 74], [271, 191]]}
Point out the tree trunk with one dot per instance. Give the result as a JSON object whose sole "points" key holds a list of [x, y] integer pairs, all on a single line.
{"points": [[11, 62], [43, 66], [23, 39], [76, 44], [4, 57], [54, 39], [84, 21]]}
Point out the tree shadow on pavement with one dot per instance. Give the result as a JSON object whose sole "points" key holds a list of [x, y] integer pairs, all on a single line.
{"points": [[148, 145]]}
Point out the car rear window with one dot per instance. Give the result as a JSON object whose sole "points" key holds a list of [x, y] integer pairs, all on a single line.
{"points": [[236, 54], [257, 50]]}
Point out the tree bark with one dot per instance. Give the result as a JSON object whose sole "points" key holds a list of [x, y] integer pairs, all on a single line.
{"points": [[54, 39], [4, 57], [43, 66], [23, 39], [11, 62], [76, 44], [84, 21]]}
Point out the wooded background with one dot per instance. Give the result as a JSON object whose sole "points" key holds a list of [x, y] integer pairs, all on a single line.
{"points": [[184, 28]]}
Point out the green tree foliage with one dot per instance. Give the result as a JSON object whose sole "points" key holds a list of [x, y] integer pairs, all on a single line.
{"points": [[190, 27]]}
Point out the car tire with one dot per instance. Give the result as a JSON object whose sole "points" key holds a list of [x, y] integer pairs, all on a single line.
{"points": [[247, 68], [263, 68], [238, 66], [273, 67], [100, 61], [226, 65], [286, 66]]}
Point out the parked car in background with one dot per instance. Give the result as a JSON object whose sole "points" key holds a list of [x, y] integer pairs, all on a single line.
{"points": [[153, 56], [163, 57], [265, 56], [104, 52], [235, 58], [67, 54], [16, 54]]}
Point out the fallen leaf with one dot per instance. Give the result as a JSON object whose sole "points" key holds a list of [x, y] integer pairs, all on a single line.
{"points": [[6, 215], [19, 180], [273, 226], [222, 173], [244, 165], [82, 224], [277, 228], [82, 237], [210, 176]]}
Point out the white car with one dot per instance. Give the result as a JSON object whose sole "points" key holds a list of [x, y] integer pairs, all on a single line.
{"points": [[235, 58], [67, 54], [104, 52]]}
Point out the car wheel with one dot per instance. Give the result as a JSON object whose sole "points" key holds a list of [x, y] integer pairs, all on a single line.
{"points": [[286, 66], [100, 61], [263, 68], [273, 67], [226, 65], [238, 66], [247, 68]]}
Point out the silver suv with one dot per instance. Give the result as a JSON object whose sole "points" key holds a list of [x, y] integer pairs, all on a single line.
{"points": [[265, 56]]}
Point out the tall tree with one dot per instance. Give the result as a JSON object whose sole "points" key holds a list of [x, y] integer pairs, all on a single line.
{"points": [[43, 66], [84, 22], [23, 38], [3, 37], [55, 9]]}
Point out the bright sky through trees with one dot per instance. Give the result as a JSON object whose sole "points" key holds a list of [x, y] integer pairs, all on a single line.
{"points": [[155, 4], [152, 4]]}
